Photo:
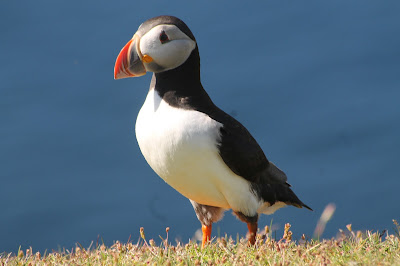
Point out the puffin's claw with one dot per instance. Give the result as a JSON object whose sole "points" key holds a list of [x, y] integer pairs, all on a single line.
{"points": [[206, 234], [252, 232]]}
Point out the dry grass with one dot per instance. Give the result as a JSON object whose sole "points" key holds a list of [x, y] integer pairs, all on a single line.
{"points": [[348, 248]]}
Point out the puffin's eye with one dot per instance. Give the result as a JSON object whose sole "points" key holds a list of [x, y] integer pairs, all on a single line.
{"points": [[163, 37]]}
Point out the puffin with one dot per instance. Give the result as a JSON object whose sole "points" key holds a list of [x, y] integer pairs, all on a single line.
{"points": [[201, 151]]}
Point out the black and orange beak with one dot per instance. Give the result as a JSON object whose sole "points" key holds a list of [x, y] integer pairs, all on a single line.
{"points": [[129, 61]]}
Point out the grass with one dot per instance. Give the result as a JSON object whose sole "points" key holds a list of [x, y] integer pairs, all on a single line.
{"points": [[371, 248]]}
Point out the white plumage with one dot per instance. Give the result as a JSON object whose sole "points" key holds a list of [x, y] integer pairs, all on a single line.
{"points": [[181, 147]]}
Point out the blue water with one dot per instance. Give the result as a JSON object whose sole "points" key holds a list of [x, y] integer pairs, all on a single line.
{"points": [[317, 83]]}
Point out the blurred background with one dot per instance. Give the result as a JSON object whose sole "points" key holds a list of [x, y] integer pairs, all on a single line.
{"points": [[317, 83]]}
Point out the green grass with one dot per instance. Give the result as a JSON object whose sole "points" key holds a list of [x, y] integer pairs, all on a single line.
{"points": [[348, 248]]}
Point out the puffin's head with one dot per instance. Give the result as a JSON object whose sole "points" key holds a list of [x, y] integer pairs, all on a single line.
{"points": [[160, 44]]}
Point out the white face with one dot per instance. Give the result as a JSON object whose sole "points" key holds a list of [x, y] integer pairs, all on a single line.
{"points": [[167, 45]]}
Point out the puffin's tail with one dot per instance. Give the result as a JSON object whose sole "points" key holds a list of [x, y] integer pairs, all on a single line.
{"points": [[280, 192], [305, 206]]}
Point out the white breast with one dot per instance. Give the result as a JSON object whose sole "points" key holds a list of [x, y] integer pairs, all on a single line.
{"points": [[180, 146]]}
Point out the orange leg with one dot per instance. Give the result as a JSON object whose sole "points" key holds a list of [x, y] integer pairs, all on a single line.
{"points": [[252, 232], [206, 234]]}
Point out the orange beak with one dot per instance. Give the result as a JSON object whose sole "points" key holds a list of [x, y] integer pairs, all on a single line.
{"points": [[129, 61]]}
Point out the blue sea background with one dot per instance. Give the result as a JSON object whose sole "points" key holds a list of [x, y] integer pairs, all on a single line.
{"points": [[317, 83]]}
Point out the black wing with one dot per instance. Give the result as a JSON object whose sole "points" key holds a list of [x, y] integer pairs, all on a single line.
{"points": [[242, 154]]}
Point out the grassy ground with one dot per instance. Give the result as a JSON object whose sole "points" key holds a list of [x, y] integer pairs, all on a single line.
{"points": [[348, 248]]}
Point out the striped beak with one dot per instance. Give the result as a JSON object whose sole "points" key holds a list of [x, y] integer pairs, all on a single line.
{"points": [[129, 61]]}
